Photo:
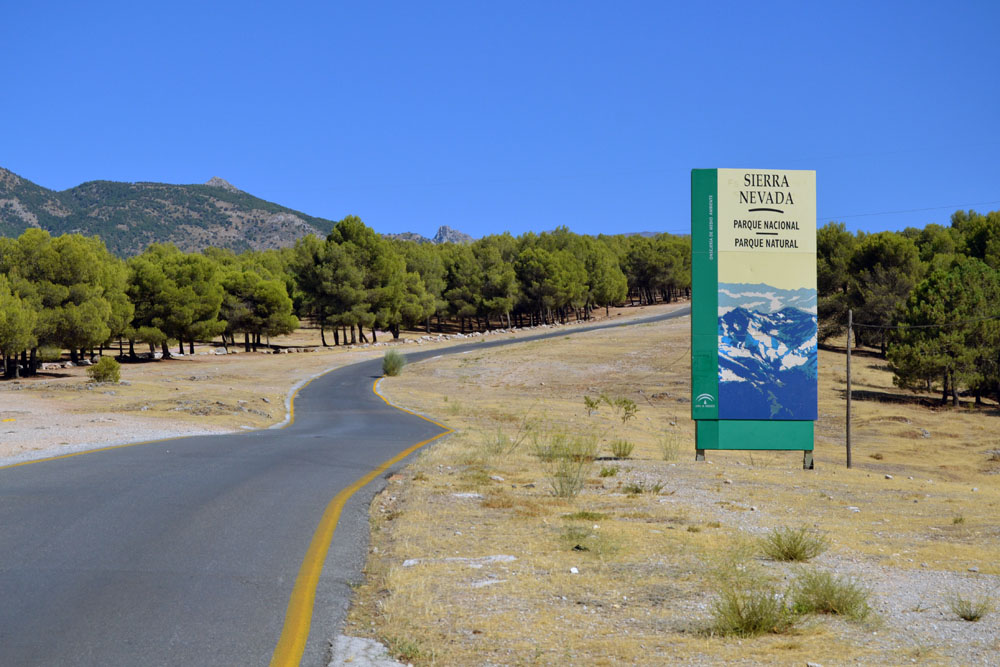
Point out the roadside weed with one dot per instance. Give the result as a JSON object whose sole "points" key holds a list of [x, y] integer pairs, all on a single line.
{"points": [[969, 609], [793, 544], [824, 593]]}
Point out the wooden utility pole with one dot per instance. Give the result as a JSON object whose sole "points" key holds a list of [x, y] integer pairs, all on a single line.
{"points": [[850, 330]]}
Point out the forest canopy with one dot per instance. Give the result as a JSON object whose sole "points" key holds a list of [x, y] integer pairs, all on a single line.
{"points": [[69, 292]]}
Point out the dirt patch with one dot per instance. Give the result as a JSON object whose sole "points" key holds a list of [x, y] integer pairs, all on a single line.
{"points": [[628, 570]]}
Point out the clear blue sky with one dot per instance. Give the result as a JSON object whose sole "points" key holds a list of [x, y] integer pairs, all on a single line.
{"points": [[516, 116]]}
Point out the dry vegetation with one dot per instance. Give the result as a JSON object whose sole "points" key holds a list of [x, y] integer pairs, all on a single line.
{"points": [[475, 561]]}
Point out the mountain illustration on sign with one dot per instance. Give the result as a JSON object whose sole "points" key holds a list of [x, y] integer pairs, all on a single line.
{"points": [[767, 352]]}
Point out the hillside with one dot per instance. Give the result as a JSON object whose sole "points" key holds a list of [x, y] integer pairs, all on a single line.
{"points": [[130, 216]]}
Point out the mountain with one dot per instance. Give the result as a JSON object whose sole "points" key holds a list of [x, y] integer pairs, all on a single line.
{"points": [[130, 216], [767, 364], [764, 298], [444, 235], [449, 235]]}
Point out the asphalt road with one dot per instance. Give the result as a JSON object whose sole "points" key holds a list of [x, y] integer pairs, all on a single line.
{"points": [[185, 552]]}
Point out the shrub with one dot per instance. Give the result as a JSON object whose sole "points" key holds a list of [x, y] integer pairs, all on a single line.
{"points": [[566, 476], [621, 449], [824, 593], [747, 608], [393, 362], [553, 446], [105, 370], [793, 544], [609, 472], [969, 609], [670, 446]]}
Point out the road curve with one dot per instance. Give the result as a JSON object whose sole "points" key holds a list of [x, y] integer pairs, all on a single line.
{"points": [[187, 551]]}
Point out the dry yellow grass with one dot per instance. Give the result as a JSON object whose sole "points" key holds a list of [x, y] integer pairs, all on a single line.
{"points": [[644, 585]]}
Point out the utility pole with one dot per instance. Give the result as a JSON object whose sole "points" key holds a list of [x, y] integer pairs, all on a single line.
{"points": [[850, 331]]}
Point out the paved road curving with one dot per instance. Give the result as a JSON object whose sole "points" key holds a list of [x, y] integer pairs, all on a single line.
{"points": [[186, 552]]}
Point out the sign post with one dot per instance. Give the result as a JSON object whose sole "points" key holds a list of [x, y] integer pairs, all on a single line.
{"points": [[753, 312]]}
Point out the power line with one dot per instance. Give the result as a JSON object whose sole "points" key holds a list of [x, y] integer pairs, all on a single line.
{"points": [[927, 326]]}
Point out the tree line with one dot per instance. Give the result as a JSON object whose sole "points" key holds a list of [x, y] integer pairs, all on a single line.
{"points": [[69, 292], [928, 299]]}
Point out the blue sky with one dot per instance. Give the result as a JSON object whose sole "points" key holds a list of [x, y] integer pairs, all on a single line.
{"points": [[512, 116]]}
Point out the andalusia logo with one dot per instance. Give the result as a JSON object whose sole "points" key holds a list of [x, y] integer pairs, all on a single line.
{"points": [[704, 401]]}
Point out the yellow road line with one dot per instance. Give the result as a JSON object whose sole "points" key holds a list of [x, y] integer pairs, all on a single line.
{"points": [[298, 617]]}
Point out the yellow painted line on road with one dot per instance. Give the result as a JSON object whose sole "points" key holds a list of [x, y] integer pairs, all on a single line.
{"points": [[9, 419], [298, 617]]}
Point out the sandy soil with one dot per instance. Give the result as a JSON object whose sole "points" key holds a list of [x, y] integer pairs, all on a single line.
{"points": [[60, 412]]}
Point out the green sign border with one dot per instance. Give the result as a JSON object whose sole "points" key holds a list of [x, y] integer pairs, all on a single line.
{"points": [[710, 431]]}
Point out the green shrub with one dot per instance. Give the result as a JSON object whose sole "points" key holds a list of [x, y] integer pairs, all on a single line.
{"points": [[105, 370], [566, 476], [793, 544], [609, 472], [557, 445], [747, 608], [969, 609], [49, 354], [621, 449], [824, 593], [393, 362]]}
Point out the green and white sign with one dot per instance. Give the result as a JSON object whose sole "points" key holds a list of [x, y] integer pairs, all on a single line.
{"points": [[753, 322]]}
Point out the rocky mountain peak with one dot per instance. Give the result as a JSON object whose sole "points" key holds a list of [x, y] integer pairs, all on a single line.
{"points": [[446, 234], [217, 182]]}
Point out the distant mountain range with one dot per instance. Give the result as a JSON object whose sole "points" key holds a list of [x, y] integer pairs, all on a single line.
{"points": [[767, 358], [764, 298], [130, 216], [444, 234]]}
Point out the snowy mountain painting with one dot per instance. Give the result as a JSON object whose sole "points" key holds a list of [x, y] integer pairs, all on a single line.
{"points": [[767, 352]]}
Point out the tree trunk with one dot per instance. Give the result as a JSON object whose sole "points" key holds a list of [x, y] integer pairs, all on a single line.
{"points": [[246, 341], [354, 339], [131, 349], [954, 393], [361, 335], [191, 346], [74, 356], [33, 361], [395, 331], [336, 336], [944, 389], [180, 346], [322, 335], [166, 351], [374, 339]]}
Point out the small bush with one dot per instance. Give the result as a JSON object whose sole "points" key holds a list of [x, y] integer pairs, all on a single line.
{"points": [[393, 362], [969, 609], [670, 446], [824, 593], [793, 544], [501, 444], [748, 608], [609, 472], [552, 446], [633, 489], [566, 476], [105, 370], [49, 354], [958, 520], [621, 449]]}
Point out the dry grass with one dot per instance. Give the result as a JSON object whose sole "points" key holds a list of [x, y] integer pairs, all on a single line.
{"points": [[643, 592]]}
